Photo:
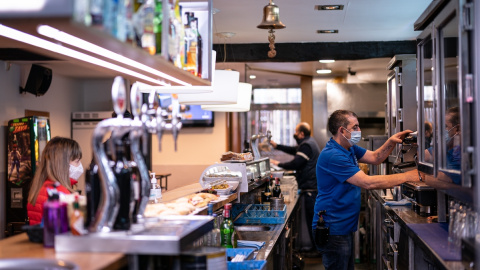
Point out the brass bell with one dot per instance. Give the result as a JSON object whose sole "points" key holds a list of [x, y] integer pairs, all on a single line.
{"points": [[270, 18]]}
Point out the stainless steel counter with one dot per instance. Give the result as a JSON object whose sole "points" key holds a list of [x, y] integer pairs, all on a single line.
{"points": [[271, 236], [405, 215]]}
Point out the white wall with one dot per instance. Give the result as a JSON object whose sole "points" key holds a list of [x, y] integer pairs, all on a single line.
{"points": [[60, 100], [197, 148]]}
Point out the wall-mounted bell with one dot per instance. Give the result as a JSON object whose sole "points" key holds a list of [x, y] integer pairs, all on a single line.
{"points": [[270, 18]]}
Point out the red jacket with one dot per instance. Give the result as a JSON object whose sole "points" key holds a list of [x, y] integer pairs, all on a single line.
{"points": [[35, 213]]}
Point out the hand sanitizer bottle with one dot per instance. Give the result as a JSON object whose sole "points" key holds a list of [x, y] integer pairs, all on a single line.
{"points": [[152, 198]]}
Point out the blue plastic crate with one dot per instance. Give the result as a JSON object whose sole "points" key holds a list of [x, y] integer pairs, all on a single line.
{"points": [[247, 252], [258, 214], [247, 265]]}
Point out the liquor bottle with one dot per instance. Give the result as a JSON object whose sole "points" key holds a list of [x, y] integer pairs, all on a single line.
{"points": [[227, 230], [190, 44], [199, 47], [157, 25], [277, 192], [148, 36], [267, 193], [180, 63]]}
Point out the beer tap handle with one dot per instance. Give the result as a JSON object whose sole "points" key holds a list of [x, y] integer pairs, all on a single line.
{"points": [[176, 123], [160, 126], [269, 136]]}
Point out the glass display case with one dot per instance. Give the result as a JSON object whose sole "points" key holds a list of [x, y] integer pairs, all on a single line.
{"points": [[445, 83]]}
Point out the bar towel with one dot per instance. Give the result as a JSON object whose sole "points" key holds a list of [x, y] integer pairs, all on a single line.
{"points": [[252, 244], [402, 202]]}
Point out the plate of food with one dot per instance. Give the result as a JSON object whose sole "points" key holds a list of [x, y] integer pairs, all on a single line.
{"points": [[222, 188]]}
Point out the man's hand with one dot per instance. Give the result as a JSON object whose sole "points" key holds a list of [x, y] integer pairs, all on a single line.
{"points": [[274, 162], [274, 144], [398, 137]]}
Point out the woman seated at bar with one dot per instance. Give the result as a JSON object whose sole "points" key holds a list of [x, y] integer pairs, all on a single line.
{"points": [[59, 163]]}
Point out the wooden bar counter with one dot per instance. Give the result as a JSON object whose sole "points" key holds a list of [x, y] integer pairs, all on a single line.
{"points": [[19, 246]]}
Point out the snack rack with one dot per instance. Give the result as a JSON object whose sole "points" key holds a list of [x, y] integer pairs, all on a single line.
{"points": [[244, 171]]}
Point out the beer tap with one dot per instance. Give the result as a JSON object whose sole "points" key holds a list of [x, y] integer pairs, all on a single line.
{"points": [[254, 143], [176, 124], [109, 201], [165, 124], [139, 130]]}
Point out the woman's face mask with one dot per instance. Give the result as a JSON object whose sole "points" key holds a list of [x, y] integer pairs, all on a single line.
{"points": [[75, 171], [355, 138]]}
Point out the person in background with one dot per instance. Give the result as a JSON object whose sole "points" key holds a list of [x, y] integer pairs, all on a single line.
{"points": [[306, 153], [59, 163], [428, 134], [339, 183]]}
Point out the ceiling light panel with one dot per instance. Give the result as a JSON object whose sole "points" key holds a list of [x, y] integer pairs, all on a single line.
{"points": [[331, 31], [329, 7]]}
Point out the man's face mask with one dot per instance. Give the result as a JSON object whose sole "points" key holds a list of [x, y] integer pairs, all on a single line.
{"points": [[355, 138], [297, 139], [447, 134]]}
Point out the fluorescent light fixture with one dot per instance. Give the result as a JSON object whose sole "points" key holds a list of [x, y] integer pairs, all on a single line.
{"points": [[14, 34], [24, 6], [242, 105], [61, 36], [326, 61], [332, 31], [329, 7], [324, 71], [253, 77], [225, 90]]}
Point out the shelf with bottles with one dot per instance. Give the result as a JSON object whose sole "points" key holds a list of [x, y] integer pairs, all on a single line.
{"points": [[63, 42]]}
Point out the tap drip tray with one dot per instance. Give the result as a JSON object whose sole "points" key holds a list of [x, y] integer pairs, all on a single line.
{"points": [[168, 235]]}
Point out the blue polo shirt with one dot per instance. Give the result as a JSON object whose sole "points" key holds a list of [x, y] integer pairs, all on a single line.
{"points": [[339, 198]]}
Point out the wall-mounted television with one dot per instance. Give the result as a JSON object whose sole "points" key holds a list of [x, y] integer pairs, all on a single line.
{"points": [[192, 115]]}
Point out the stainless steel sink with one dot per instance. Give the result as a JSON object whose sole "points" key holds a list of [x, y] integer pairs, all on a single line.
{"points": [[253, 228]]}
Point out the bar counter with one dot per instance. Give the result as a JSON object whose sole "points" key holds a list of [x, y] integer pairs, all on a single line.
{"points": [[406, 218], [19, 246]]}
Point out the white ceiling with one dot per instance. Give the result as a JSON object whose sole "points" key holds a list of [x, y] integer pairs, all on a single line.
{"points": [[360, 20]]}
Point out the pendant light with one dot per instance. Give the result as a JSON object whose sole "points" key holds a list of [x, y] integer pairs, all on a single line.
{"points": [[242, 105], [224, 86]]}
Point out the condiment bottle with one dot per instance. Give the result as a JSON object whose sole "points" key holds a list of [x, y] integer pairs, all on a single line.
{"points": [[76, 219]]}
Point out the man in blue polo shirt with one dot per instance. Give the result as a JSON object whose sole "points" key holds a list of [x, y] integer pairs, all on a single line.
{"points": [[339, 181]]}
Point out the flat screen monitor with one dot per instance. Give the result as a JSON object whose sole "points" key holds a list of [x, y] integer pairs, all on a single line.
{"points": [[192, 115]]}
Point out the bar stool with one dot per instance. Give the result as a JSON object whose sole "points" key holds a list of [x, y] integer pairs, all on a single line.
{"points": [[161, 177]]}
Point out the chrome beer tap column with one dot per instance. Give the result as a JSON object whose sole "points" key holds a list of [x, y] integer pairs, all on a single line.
{"points": [[254, 143], [139, 131], [110, 193]]}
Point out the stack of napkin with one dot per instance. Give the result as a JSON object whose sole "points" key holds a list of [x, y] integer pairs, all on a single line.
{"points": [[251, 244]]}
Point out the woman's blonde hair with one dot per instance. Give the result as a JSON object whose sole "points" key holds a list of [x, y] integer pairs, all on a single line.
{"points": [[54, 165]]}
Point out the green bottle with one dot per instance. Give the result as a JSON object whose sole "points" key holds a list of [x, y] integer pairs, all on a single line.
{"points": [[227, 230], [157, 25]]}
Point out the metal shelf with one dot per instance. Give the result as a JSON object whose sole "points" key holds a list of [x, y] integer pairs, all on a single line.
{"points": [[64, 63]]}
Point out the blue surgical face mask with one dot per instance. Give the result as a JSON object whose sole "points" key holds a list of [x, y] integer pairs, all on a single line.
{"points": [[447, 134], [355, 138]]}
